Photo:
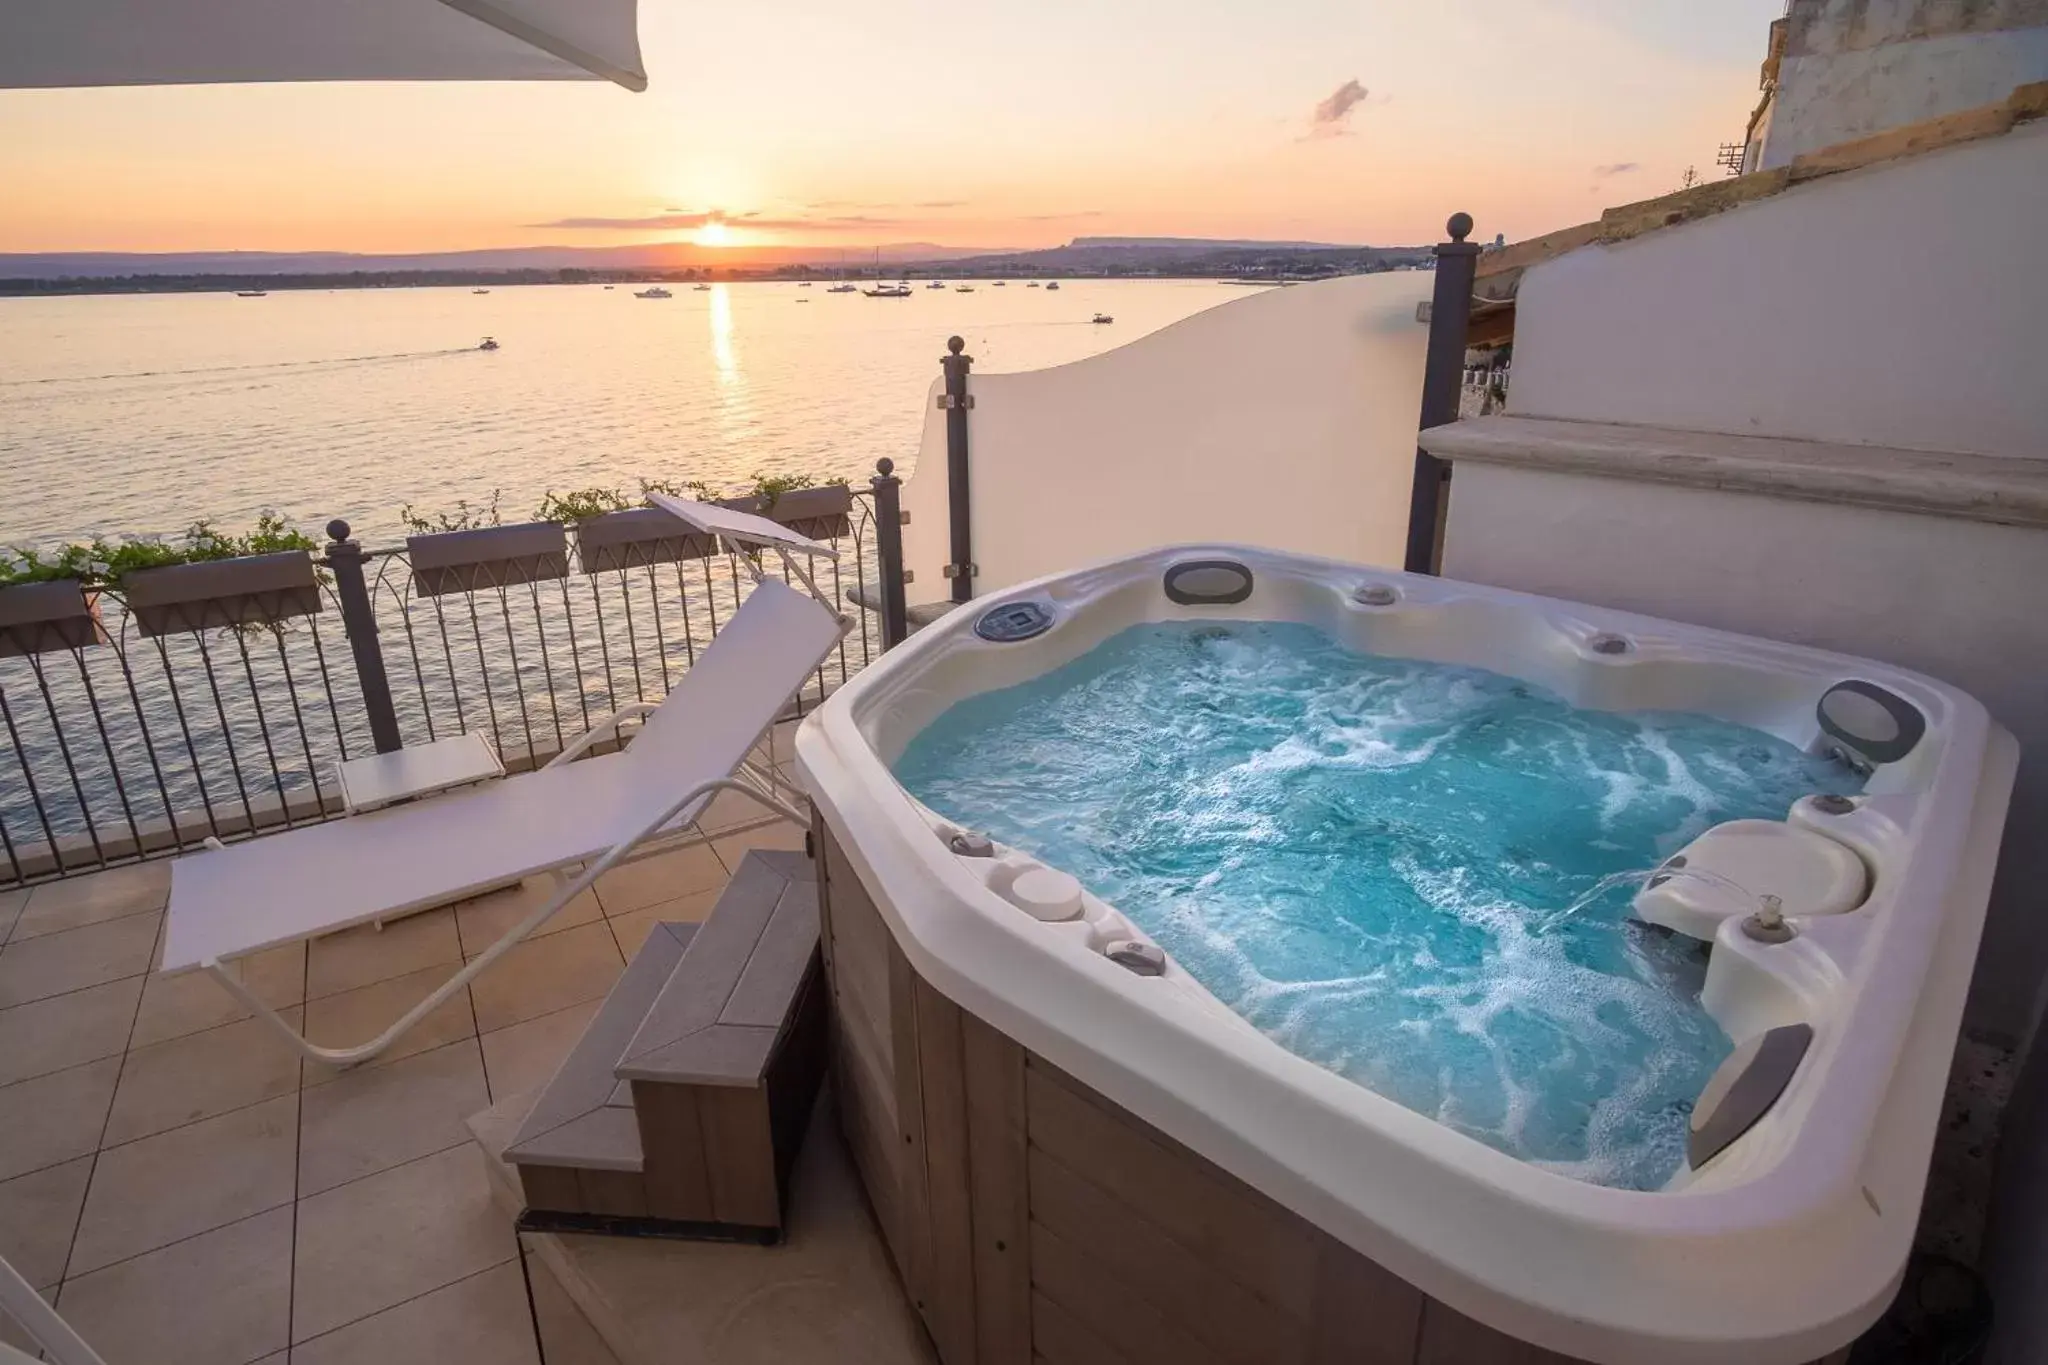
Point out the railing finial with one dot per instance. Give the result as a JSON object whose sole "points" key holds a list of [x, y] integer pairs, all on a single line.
{"points": [[885, 466], [337, 530], [956, 344], [1460, 226]]}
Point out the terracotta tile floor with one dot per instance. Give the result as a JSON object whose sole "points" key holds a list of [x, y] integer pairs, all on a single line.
{"points": [[185, 1189]]}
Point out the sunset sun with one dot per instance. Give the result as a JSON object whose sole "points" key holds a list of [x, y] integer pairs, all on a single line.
{"points": [[714, 234]]}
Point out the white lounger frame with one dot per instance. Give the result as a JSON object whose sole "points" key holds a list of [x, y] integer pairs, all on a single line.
{"points": [[752, 780]]}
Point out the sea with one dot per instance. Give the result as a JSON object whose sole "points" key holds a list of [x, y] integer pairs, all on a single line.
{"points": [[138, 414]]}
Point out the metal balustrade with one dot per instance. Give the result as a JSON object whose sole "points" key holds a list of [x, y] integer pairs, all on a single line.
{"points": [[133, 727]]}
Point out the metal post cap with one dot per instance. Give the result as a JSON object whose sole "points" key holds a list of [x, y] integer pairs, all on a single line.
{"points": [[885, 466], [337, 530], [1460, 226], [956, 344]]}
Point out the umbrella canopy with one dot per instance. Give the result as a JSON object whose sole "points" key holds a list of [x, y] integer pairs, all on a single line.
{"points": [[49, 43]]}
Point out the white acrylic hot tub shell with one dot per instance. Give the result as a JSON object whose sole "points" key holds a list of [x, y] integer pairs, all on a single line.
{"points": [[1782, 1249]]}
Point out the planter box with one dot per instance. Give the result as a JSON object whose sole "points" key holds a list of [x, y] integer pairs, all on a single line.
{"points": [[644, 535], [820, 513], [492, 557], [43, 618], [249, 590]]}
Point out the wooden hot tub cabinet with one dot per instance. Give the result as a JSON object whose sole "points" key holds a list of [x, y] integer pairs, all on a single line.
{"points": [[1036, 1222]]}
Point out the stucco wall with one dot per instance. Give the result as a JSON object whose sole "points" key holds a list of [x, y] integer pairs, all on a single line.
{"points": [[1857, 67], [1891, 306]]}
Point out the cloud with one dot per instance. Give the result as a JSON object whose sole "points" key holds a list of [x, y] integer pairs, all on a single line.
{"points": [[1332, 115], [1056, 217], [1615, 168], [941, 204]]}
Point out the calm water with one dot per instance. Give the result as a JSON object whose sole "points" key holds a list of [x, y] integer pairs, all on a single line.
{"points": [[1365, 857], [140, 413]]}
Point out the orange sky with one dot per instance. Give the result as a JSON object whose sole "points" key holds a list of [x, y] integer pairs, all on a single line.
{"points": [[915, 120]]}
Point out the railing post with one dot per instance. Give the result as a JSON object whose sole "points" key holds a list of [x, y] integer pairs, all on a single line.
{"points": [[889, 552], [1450, 313], [359, 620], [956, 401]]}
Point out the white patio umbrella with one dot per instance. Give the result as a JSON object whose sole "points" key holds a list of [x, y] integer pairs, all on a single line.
{"points": [[50, 43]]}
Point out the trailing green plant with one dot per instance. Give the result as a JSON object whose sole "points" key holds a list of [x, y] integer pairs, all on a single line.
{"points": [[581, 504], [465, 517], [101, 563]]}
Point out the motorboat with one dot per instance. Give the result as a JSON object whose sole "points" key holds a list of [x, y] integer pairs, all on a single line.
{"points": [[1102, 317], [888, 291], [963, 289], [936, 284], [843, 288], [252, 293], [488, 344], [1052, 284], [700, 288], [479, 291], [653, 291]]}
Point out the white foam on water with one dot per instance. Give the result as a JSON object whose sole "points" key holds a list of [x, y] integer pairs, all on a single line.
{"points": [[1365, 858]]}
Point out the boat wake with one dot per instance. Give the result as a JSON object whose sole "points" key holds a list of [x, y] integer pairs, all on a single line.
{"points": [[325, 363]]}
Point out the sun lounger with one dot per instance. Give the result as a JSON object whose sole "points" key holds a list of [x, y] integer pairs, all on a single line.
{"points": [[229, 902]]}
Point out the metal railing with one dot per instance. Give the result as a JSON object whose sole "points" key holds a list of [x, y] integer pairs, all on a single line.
{"points": [[144, 736]]}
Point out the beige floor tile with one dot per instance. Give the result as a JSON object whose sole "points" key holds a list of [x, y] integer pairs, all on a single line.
{"points": [[782, 741], [729, 809], [38, 1214], [56, 1117], [368, 1121], [355, 1017], [187, 1181], [524, 1056], [10, 910], [365, 954], [38, 968], [547, 974], [12, 1332], [168, 1085], [482, 921], [377, 1242], [660, 878], [79, 901], [631, 930], [66, 1030], [173, 1006], [219, 1298], [482, 1318], [781, 834], [566, 1336]]}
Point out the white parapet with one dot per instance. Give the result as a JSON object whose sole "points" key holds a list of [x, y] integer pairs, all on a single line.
{"points": [[1283, 418]]}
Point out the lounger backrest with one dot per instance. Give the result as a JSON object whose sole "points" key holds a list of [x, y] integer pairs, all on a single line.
{"points": [[735, 690]]}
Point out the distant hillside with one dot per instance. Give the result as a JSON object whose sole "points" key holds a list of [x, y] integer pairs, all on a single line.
{"points": [[80, 272], [1194, 256], [58, 265]]}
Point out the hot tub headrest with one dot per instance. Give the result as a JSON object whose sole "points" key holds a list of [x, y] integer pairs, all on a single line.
{"points": [[1208, 582], [1872, 722]]}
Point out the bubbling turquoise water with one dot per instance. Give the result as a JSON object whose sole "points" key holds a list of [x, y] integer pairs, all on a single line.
{"points": [[1365, 857]]}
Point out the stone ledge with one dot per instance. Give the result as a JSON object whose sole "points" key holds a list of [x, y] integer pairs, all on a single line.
{"points": [[2003, 490]]}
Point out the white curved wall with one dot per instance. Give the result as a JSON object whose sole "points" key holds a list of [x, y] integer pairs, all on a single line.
{"points": [[1284, 418]]}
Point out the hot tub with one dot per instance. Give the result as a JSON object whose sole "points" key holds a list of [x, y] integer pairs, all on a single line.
{"points": [[1780, 1236]]}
